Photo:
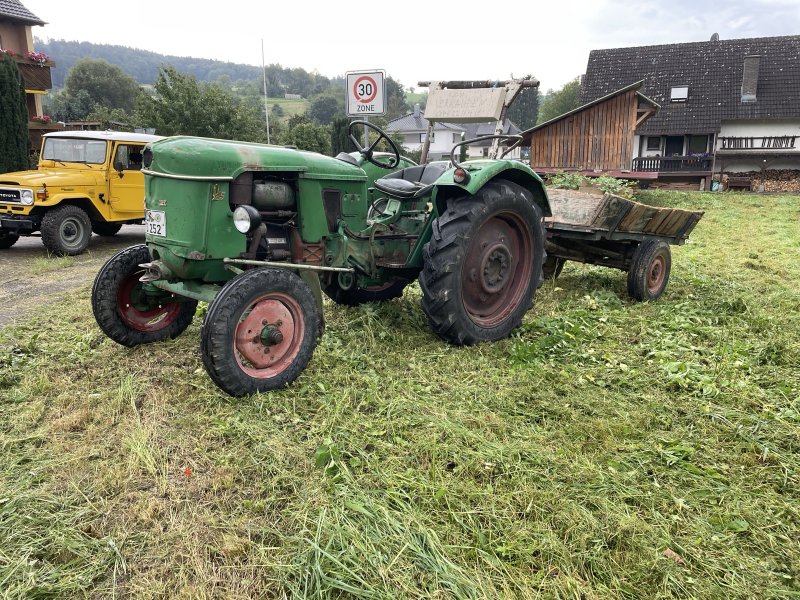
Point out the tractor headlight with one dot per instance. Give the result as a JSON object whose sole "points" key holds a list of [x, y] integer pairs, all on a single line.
{"points": [[26, 197], [246, 218]]}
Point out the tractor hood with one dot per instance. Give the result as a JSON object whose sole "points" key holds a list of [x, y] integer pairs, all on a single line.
{"points": [[204, 158]]}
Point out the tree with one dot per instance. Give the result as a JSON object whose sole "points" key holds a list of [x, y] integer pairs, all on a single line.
{"points": [[324, 109], [106, 84], [64, 106], [15, 145], [308, 136], [340, 141], [556, 103], [396, 105], [525, 109], [182, 106]]}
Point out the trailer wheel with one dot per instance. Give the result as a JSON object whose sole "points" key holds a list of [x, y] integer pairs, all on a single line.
{"points": [[260, 331], [356, 295], [7, 240], [125, 312], [483, 264], [66, 230], [106, 229], [649, 272]]}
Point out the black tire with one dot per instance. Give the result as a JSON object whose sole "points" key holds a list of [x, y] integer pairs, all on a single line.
{"points": [[116, 294], [501, 229], [7, 240], [649, 272], [66, 230], [354, 296], [105, 228], [552, 267], [273, 302]]}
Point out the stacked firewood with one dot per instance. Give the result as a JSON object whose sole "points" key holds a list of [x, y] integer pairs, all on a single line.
{"points": [[774, 180]]}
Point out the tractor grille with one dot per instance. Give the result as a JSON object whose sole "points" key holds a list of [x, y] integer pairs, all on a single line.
{"points": [[10, 195]]}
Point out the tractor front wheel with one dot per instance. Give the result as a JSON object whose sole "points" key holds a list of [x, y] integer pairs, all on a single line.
{"points": [[260, 331], [124, 310], [483, 264]]}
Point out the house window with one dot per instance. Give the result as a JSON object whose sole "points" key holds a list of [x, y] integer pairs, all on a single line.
{"points": [[456, 138], [653, 144], [422, 137], [698, 144], [679, 93]]}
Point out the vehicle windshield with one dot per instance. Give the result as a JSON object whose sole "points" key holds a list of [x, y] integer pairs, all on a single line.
{"points": [[75, 150]]}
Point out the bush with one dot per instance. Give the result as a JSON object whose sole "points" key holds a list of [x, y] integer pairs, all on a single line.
{"points": [[612, 185], [567, 181]]}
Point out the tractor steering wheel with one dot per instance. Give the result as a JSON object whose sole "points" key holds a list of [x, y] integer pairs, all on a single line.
{"points": [[370, 151]]}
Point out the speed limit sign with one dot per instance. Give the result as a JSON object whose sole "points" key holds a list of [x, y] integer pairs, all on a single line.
{"points": [[365, 93]]}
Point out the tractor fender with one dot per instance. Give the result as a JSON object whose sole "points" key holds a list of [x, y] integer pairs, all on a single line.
{"points": [[483, 172]]}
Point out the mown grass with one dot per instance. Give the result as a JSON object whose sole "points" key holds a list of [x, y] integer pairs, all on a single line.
{"points": [[608, 449]]}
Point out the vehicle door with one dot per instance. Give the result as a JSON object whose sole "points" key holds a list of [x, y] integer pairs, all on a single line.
{"points": [[125, 179]]}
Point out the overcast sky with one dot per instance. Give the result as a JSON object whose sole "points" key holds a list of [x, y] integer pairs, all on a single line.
{"points": [[412, 40]]}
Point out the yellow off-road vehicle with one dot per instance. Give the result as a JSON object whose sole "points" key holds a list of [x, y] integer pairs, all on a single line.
{"points": [[86, 181]]}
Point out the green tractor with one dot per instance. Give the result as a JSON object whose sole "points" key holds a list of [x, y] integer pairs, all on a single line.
{"points": [[261, 232]]}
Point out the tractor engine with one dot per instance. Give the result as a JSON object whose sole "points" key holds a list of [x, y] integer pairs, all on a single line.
{"points": [[264, 207]]}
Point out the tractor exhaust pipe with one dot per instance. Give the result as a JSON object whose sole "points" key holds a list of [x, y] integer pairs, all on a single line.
{"points": [[154, 271]]}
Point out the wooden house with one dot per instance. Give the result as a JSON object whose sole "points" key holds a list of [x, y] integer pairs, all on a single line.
{"points": [[16, 37], [730, 110], [594, 139]]}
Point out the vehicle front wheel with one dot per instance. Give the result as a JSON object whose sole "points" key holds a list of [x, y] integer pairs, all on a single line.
{"points": [[7, 240], [66, 230], [649, 272], [552, 267], [105, 228], [260, 331], [483, 264], [124, 310]]}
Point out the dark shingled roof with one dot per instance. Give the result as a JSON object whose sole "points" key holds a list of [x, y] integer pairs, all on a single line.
{"points": [[12, 10], [712, 70]]}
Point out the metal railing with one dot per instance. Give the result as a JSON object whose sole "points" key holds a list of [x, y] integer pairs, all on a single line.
{"points": [[767, 142], [663, 164]]}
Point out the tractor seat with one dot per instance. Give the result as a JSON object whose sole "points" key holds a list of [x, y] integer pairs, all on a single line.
{"points": [[412, 181]]}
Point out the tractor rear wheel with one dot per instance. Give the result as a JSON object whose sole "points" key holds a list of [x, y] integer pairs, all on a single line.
{"points": [[356, 295], [649, 272], [260, 331], [483, 264], [7, 240], [123, 309]]}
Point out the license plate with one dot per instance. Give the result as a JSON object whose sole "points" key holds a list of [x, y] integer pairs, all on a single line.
{"points": [[155, 223]]}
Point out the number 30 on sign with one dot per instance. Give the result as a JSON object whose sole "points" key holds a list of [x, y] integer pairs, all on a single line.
{"points": [[365, 93]]}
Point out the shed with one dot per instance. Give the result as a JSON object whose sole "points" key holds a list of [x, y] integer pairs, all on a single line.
{"points": [[594, 139]]}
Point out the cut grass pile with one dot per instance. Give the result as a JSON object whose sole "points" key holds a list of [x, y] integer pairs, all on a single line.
{"points": [[607, 449]]}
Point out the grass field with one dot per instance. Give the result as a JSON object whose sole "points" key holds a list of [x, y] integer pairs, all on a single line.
{"points": [[608, 449]]}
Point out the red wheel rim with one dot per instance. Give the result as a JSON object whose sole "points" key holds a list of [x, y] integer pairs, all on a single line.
{"points": [[497, 269], [269, 335], [133, 309], [656, 274]]}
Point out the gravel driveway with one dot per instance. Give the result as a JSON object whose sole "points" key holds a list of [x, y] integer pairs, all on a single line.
{"points": [[29, 278]]}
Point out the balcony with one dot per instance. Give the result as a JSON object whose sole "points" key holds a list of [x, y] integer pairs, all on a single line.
{"points": [[673, 164], [771, 142], [36, 76]]}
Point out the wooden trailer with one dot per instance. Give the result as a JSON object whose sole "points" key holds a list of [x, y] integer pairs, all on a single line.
{"points": [[616, 232]]}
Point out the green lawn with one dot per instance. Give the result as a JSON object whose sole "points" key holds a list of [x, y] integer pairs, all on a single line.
{"points": [[608, 449]]}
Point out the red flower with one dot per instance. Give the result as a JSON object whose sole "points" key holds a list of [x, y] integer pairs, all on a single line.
{"points": [[187, 471]]}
